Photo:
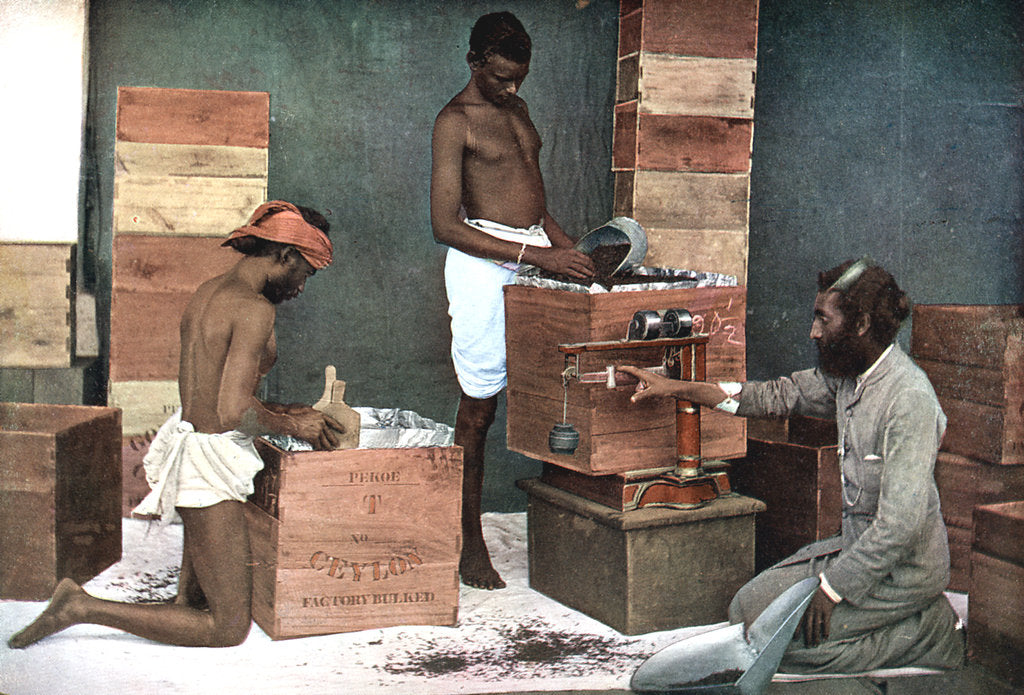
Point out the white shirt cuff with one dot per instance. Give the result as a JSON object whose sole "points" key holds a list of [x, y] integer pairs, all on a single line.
{"points": [[829, 591], [731, 389]]}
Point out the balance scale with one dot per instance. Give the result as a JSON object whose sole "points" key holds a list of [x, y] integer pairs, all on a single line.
{"points": [[692, 481]]}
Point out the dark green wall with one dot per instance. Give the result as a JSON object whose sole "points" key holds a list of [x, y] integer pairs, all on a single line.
{"points": [[883, 127], [354, 89], [888, 127]]}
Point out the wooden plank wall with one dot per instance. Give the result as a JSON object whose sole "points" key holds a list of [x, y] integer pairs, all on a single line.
{"points": [[684, 128], [190, 166]]}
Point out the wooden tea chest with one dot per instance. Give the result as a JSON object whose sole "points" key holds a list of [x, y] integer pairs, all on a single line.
{"points": [[974, 357], [644, 570], [964, 484], [615, 434], [996, 597], [355, 539], [37, 304], [795, 472], [60, 495]]}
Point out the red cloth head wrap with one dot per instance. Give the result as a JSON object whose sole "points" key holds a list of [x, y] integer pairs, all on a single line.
{"points": [[279, 221]]}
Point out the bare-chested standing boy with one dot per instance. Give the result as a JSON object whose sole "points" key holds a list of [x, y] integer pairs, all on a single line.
{"points": [[202, 461], [487, 204]]}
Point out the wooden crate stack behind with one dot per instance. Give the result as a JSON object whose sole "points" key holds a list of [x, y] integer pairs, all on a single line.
{"points": [[37, 305], [615, 434], [974, 357], [994, 636], [60, 495], [190, 166], [795, 472], [355, 539], [683, 129]]}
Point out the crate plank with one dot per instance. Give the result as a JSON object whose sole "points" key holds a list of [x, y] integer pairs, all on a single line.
{"points": [[972, 335], [712, 28], [159, 159], [629, 6], [994, 637], [670, 142], [134, 486], [627, 78], [719, 251], [37, 304], [965, 483], [145, 405], [193, 116], [155, 276], [60, 495], [184, 205], [148, 263], [630, 27], [995, 435], [622, 196], [964, 382], [624, 137], [355, 539], [670, 84], [999, 530], [686, 200]]}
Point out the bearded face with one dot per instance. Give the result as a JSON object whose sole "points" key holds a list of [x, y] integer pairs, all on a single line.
{"points": [[841, 351], [842, 355]]}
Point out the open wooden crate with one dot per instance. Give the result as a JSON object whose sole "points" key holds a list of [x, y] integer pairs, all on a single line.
{"points": [[355, 539]]}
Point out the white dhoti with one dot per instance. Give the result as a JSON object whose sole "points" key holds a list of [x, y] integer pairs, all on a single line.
{"points": [[185, 468], [477, 308]]}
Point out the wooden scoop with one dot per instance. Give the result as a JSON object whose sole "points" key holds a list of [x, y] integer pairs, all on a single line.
{"points": [[333, 403]]}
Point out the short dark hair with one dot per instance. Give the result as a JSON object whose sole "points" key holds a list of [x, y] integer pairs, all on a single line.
{"points": [[874, 293], [256, 246], [499, 33]]}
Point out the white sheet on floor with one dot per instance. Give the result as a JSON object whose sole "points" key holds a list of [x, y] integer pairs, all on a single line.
{"points": [[510, 640]]}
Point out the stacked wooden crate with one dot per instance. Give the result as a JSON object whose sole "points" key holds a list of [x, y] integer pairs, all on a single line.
{"points": [[615, 434], [683, 128], [974, 357], [37, 305], [792, 466], [994, 636], [190, 166], [60, 495]]}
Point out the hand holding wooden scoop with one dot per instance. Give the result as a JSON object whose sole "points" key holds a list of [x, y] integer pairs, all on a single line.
{"points": [[333, 403]]}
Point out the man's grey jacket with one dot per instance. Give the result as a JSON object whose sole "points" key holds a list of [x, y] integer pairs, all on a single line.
{"points": [[893, 543]]}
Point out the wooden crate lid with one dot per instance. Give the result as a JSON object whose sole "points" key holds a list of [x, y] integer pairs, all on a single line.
{"points": [[999, 531]]}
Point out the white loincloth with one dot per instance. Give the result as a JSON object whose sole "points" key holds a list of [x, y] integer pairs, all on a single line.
{"points": [[185, 468], [477, 307]]}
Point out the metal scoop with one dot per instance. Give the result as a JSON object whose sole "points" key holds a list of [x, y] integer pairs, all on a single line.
{"points": [[619, 230], [724, 660]]}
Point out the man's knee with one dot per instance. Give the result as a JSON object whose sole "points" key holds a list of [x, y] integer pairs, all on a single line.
{"points": [[736, 611], [476, 413], [230, 633]]}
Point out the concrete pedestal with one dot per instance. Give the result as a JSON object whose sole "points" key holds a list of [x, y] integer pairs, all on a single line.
{"points": [[644, 570]]}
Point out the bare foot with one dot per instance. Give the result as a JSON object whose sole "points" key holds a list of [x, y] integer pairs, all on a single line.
{"points": [[53, 619], [476, 571]]}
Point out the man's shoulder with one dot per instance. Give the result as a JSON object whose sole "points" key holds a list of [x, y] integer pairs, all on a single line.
{"points": [[223, 300]]}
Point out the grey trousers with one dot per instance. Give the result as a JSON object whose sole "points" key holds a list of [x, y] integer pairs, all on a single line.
{"points": [[879, 634]]}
